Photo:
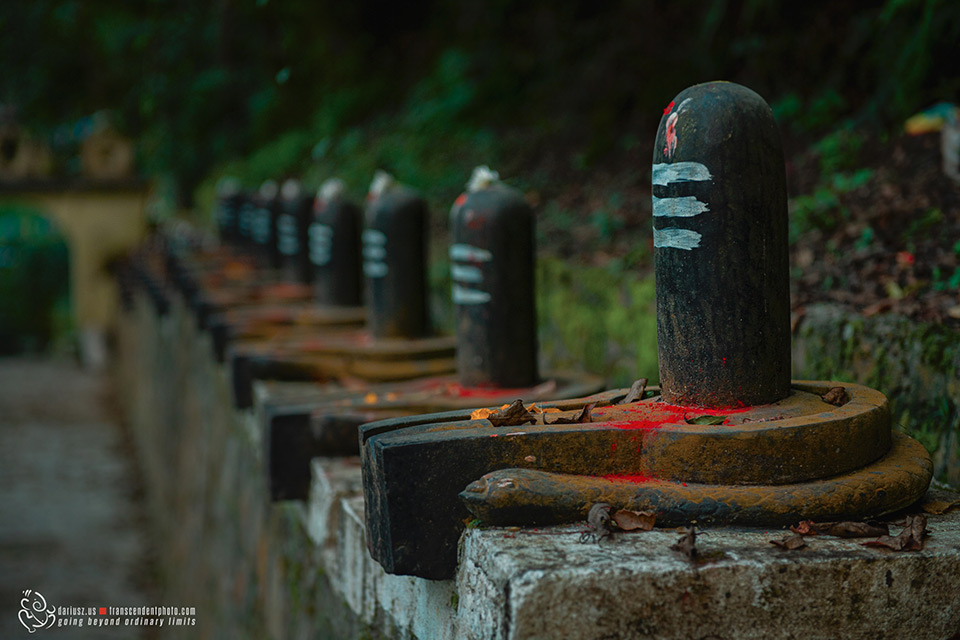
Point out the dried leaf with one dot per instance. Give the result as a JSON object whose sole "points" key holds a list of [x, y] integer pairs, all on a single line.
{"points": [[535, 409], [514, 415], [481, 414], [836, 396], [636, 391], [791, 543], [581, 418], [598, 521], [633, 520], [707, 420], [910, 539], [687, 544], [938, 502]]}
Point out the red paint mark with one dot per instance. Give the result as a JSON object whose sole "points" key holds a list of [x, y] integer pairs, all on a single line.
{"points": [[632, 478], [684, 483], [651, 416], [671, 135], [460, 200], [458, 391], [493, 435], [474, 220], [669, 108], [613, 447]]}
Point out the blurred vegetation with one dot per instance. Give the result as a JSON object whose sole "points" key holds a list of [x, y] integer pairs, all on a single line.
{"points": [[427, 89], [34, 283]]}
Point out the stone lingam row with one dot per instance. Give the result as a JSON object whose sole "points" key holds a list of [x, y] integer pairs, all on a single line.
{"points": [[727, 437]]}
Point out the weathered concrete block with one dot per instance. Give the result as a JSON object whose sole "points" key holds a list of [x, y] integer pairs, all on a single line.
{"points": [[333, 479], [382, 604], [545, 584]]}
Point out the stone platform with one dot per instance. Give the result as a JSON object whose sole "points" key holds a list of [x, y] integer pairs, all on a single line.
{"points": [[302, 570], [517, 583]]}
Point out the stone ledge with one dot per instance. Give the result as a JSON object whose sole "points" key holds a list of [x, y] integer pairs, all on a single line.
{"points": [[543, 583], [389, 606]]}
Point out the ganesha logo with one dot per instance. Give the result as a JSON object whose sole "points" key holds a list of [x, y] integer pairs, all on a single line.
{"points": [[34, 613]]}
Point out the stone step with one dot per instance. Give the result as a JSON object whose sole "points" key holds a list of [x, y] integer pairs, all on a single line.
{"points": [[517, 583]]}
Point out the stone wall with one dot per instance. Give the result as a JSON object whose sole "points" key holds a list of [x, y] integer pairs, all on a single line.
{"points": [[916, 365], [253, 568]]}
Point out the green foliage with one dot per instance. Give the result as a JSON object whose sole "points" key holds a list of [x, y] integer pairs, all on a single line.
{"points": [[922, 224], [815, 114], [601, 320], [838, 150], [203, 86], [865, 239], [34, 282], [822, 209]]}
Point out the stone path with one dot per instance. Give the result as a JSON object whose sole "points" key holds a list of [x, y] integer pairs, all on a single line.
{"points": [[71, 522]]}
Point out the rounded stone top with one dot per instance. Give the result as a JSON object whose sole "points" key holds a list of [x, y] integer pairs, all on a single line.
{"points": [[380, 183], [481, 178], [331, 189], [290, 189], [269, 189]]}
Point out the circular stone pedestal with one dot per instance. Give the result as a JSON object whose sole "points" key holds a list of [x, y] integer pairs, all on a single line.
{"points": [[799, 458]]}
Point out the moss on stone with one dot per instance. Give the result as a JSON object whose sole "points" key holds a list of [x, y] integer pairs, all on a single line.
{"points": [[915, 364], [598, 320]]}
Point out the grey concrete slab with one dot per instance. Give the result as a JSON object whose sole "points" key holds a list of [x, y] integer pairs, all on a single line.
{"points": [[70, 524]]}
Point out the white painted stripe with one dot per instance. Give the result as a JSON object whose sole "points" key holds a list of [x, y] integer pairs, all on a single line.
{"points": [[670, 172], [682, 207], [466, 273], [374, 236], [318, 230], [469, 253], [320, 256], [673, 238], [374, 252], [374, 269], [463, 295]]}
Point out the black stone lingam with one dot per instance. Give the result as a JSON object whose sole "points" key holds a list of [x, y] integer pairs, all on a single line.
{"points": [[333, 246], [492, 269], [394, 246], [229, 199], [397, 345], [727, 440], [492, 257], [263, 226], [293, 223], [720, 250]]}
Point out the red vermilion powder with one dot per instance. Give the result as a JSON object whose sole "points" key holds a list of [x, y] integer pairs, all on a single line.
{"points": [[653, 415], [634, 478]]}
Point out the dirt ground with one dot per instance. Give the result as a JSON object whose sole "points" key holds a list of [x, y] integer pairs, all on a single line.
{"points": [[71, 515]]}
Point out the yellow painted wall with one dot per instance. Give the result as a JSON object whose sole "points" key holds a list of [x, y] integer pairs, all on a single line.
{"points": [[98, 224]]}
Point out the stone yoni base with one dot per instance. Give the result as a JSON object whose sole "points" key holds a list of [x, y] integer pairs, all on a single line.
{"points": [[517, 583]]}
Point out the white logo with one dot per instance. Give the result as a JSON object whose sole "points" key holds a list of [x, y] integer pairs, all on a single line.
{"points": [[34, 613]]}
